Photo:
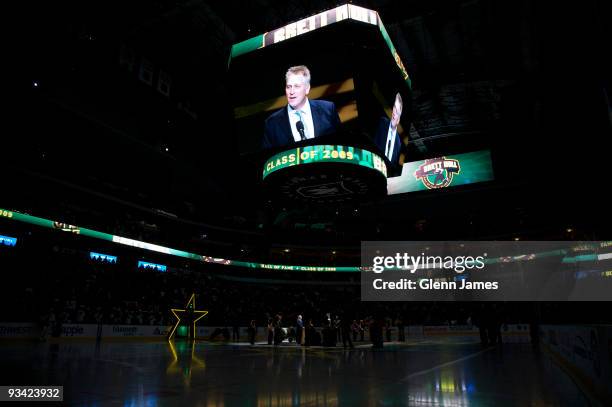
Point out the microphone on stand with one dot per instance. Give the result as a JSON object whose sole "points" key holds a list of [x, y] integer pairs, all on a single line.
{"points": [[300, 128]]}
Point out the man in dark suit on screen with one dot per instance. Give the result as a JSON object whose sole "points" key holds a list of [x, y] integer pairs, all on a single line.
{"points": [[302, 119], [387, 138]]}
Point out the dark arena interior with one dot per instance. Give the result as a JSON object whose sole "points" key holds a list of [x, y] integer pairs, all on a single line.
{"points": [[422, 218]]}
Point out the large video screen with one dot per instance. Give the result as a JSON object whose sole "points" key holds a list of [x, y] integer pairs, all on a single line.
{"points": [[331, 78], [442, 172]]}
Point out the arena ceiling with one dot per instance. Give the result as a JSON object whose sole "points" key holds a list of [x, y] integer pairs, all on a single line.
{"points": [[523, 74]]}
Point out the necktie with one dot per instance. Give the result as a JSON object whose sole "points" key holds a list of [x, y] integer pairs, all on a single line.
{"points": [[299, 114], [387, 152], [387, 148]]}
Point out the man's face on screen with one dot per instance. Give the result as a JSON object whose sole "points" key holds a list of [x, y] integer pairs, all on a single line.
{"points": [[396, 114], [296, 90]]}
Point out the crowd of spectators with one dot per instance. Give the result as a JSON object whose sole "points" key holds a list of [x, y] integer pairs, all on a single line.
{"points": [[62, 287]]}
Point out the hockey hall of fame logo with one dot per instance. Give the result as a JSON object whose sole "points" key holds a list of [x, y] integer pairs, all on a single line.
{"points": [[437, 172]]}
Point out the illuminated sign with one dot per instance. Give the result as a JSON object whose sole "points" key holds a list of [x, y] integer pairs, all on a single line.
{"points": [[65, 227], [312, 23], [187, 315], [8, 241], [604, 256], [299, 268], [217, 260], [348, 11], [6, 214], [20, 217], [324, 153], [103, 257], [437, 172], [141, 245], [151, 266], [442, 172]]}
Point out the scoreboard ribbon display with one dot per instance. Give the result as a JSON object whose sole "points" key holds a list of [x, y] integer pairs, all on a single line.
{"points": [[322, 154], [312, 23], [567, 254]]}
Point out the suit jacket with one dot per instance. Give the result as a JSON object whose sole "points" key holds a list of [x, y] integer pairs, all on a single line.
{"points": [[278, 132], [381, 140]]}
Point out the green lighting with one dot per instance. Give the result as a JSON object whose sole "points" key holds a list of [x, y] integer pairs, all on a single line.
{"points": [[458, 169], [77, 230], [315, 22], [16, 216], [324, 153]]}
